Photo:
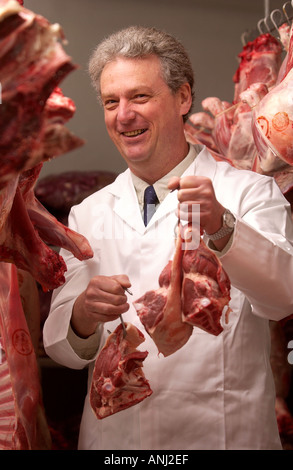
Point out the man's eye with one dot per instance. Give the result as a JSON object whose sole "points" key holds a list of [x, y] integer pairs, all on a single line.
{"points": [[110, 104], [141, 98]]}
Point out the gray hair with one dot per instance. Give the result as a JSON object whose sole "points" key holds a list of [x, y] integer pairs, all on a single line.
{"points": [[138, 42]]}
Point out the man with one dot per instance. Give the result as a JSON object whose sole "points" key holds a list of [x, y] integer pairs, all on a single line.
{"points": [[216, 392]]}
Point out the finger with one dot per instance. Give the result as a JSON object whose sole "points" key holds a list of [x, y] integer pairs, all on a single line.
{"points": [[108, 312], [189, 212], [122, 280], [190, 194], [174, 183], [190, 181]]}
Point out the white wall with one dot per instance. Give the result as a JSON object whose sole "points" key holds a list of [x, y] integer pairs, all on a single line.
{"points": [[210, 29]]}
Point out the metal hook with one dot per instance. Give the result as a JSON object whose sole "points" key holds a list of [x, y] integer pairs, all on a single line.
{"points": [[269, 30], [244, 38], [259, 26], [276, 23], [285, 13]]}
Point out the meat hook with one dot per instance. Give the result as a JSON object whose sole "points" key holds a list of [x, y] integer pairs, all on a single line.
{"points": [[123, 326], [121, 318], [287, 16], [274, 19]]}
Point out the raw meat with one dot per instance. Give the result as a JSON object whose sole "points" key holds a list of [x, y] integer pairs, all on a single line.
{"points": [[49, 229], [273, 117], [32, 64], [33, 113], [260, 61], [19, 391], [194, 289], [27, 226], [160, 310], [118, 380], [230, 135], [205, 289]]}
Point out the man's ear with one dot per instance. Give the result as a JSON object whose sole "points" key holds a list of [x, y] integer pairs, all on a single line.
{"points": [[185, 95]]}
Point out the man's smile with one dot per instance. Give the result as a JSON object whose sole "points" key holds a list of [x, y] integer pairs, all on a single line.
{"points": [[134, 133]]}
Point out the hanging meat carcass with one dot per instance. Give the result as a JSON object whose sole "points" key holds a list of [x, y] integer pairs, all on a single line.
{"points": [[260, 61], [20, 396], [273, 117], [33, 114], [34, 111]]}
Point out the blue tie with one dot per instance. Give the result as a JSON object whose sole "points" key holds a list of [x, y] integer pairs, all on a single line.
{"points": [[150, 200]]}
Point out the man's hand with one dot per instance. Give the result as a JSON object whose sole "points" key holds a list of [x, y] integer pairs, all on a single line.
{"points": [[199, 190], [103, 300]]}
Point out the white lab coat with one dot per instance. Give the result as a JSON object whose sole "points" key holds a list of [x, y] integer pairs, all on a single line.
{"points": [[215, 392]]}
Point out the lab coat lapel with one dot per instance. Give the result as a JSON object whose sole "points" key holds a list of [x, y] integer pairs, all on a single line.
{"points": [[126, 203]]}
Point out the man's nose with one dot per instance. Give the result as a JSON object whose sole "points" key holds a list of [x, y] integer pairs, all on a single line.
{"points": [[125, 112]]}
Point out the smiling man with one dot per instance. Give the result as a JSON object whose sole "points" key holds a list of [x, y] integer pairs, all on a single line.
{"points": [[215, 392], [134, 93]]}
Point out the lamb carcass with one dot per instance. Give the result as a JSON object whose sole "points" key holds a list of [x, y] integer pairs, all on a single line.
{"points": [[260, 62], [160, 310], [118, 380], [231, 132], [273, 117]]}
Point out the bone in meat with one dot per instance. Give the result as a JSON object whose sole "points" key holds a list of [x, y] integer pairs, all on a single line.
{"points": [[118, 380], [160, 310]]}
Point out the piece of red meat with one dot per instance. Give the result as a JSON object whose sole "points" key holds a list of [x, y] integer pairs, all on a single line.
{"points": [[32, 64], [19, 376], [260, 61], [160, 310], [118, 380], [47, 226], [205, 289], [28, 230], [194, 289]]}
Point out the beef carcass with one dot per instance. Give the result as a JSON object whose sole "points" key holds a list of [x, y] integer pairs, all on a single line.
{"points": [[19, 384], [118, 380], [46, 225], [160, 310], [205, 289], [26, 229], [32, 64], [33, 113], [29, 137]]}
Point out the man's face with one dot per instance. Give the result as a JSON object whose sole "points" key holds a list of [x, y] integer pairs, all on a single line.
{"points": [[143, 117]]}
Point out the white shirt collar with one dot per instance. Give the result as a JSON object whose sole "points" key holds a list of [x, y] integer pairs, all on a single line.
{"points": [[161, 186]]}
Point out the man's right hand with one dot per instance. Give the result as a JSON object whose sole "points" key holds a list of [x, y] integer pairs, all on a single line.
{"points": [[103, 300]]}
